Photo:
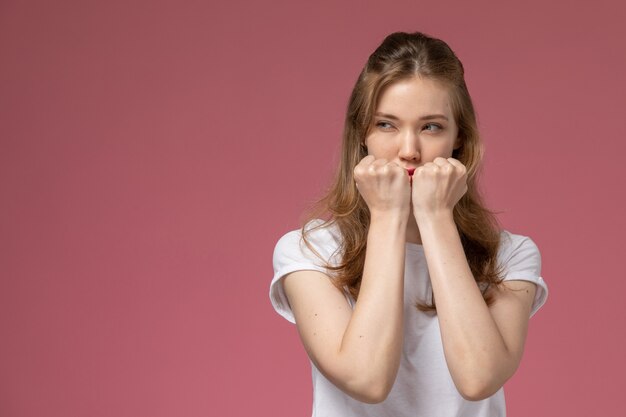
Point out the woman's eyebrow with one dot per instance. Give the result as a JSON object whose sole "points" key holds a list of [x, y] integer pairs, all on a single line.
{"points": [[386, 116], [426, 117], [434, 116]]}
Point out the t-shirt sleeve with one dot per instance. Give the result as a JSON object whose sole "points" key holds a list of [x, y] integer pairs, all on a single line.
{"points": [[292, 254], [521, 260]]}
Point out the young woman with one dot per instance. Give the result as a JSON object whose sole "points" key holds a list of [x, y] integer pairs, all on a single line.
{"points": [[408, 298]]}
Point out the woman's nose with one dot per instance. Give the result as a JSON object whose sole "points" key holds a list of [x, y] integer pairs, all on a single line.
{"points": [[409, 147]]}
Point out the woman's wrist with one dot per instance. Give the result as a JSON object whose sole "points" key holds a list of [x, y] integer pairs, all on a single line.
{"points": [[388, 226], [432, 219], [389, 219]]}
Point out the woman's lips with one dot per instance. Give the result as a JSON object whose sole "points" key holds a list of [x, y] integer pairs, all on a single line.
{"points": [[410, 171]]}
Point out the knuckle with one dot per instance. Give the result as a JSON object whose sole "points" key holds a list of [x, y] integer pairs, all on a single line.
{"points": [[379, 162]]}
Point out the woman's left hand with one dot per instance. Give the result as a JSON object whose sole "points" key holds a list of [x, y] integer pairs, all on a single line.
{"points": [[438, 186]]}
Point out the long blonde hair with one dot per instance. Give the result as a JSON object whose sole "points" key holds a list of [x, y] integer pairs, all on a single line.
{"points": [[402, 56]]}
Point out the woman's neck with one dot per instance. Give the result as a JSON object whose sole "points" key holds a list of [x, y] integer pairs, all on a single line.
{"points": [[412, 231]]}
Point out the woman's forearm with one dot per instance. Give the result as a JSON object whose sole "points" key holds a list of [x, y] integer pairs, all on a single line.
{"points": [[475, 351], [374, 336]]}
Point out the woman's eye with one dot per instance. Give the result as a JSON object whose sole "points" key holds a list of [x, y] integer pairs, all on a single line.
{"points": [[433, 127], [384, 125]]}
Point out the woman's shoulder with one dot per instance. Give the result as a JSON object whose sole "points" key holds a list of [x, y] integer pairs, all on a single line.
{"points": [[322, 241], [292, 254], [520, 259], [512, 245]]}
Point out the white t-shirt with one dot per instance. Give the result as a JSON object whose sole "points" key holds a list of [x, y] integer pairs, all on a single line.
{"points": [[423, 386]]}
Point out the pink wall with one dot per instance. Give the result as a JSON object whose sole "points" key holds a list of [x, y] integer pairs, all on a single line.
{"points": [[151, 154]]}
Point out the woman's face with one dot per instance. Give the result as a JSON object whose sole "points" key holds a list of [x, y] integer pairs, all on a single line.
{"points": [[413, 123]]}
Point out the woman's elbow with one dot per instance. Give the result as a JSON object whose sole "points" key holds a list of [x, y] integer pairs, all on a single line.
{"points": [[373, 394], [476, 390], [371, 391], [370, 385], [479, 383]]}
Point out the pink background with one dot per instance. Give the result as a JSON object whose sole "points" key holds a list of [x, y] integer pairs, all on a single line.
{"points": [[152, 152]]}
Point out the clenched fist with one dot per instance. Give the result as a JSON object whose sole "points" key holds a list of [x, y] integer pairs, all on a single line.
{"points": [[384, 186], [438, 186]]}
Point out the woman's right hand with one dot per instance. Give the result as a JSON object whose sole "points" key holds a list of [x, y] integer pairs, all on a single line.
{"points": [[385, 186], [359, 348]]}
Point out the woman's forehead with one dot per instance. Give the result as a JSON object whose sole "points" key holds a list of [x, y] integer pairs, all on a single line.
{"points": [[414, 98]]}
